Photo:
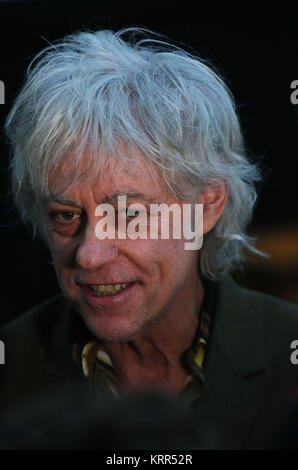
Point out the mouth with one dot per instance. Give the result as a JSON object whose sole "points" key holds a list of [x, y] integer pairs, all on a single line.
{"points": [[103, 290], [98, 295]]}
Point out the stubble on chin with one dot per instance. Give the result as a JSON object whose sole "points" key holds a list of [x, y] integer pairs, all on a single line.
{"points": [[115, 332]]}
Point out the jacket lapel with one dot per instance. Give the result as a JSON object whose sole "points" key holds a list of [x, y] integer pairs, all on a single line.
{"points": [[66, 323], [236, 376], [62, 369]]}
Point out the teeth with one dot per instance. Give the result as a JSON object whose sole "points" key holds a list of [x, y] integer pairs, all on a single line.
{"points": [[107, 289]]}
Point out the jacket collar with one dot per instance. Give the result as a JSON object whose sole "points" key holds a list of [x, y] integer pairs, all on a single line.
{"points": [[238, 331], [235, 367], [65, 326]]}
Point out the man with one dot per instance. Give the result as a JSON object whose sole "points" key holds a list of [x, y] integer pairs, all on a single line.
{"points": [[107, 135]]}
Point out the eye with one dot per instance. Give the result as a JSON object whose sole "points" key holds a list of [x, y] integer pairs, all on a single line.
{"points": [[128, 214], [132, 215], [64, 216], [66, 222]]}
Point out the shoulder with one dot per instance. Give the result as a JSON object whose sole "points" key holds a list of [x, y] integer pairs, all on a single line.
{"points": [[35, 322], [250, 357], [32, 344], [257, 306], [260, 328]]}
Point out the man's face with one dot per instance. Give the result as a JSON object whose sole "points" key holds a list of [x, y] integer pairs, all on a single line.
{"points": [[158, 273]]}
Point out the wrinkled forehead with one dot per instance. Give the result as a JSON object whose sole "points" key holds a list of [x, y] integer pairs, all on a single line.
{"points": [[108, 172]]}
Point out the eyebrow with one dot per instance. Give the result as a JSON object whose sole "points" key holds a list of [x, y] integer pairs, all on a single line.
{"points": [[62, 200], [129, 195], [111, 198]]}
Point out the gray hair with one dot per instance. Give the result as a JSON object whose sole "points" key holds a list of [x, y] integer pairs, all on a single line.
{"points": [[97, 91]]}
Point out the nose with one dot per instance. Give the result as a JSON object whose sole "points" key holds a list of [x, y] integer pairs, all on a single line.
{"points": [[93, 253]]}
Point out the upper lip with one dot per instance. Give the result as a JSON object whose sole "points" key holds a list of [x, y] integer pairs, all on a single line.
{"points": [[90, 283]]}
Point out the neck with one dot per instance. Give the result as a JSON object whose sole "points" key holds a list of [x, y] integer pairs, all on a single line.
{"points": [[153, 357]]}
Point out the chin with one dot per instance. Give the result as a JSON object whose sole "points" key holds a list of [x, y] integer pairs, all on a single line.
{"points": [[112, 331]]}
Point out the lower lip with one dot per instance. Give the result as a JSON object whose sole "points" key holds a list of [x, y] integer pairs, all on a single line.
{"points": [[95, 300]]}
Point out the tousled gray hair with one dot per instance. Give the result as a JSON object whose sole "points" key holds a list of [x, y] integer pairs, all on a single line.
{"points": [[97, 91]]}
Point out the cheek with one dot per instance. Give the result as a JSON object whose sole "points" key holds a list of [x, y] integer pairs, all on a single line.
{"points": [[63, 254], [174, 261], [183, 261]]}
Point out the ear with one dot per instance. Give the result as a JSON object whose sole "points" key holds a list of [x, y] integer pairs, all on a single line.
{"points": [[214, 200]]}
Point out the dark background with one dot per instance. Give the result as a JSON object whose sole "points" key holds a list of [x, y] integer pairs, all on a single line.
{"points": [[255, 48]]}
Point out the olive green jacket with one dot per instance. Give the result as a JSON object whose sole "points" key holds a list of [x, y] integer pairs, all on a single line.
{"points": [[249, 374]]}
